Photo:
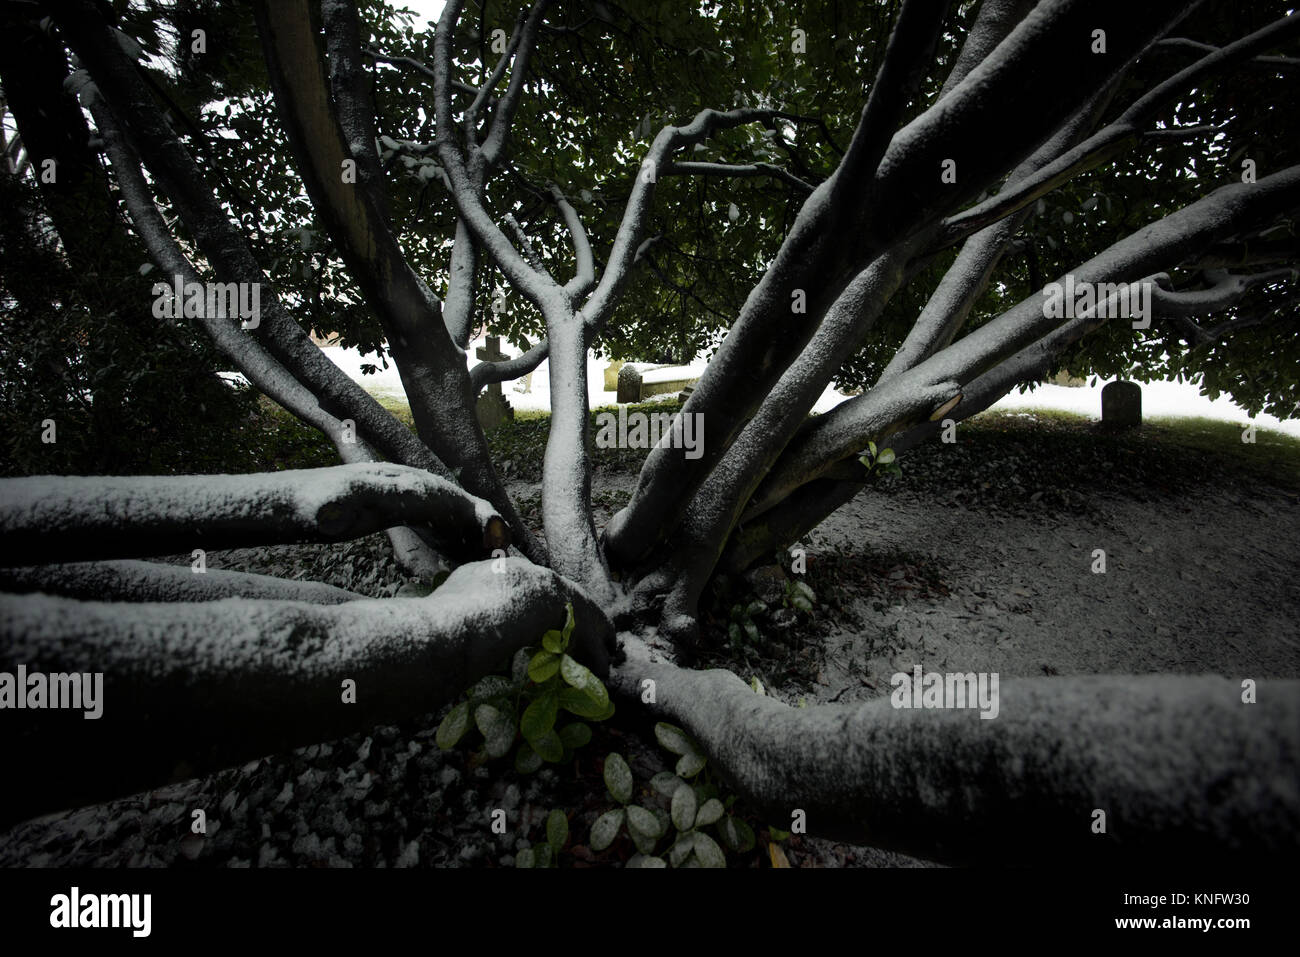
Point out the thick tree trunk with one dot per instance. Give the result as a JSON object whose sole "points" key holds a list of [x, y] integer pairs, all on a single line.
{"points": [[192, 687], [52, 518], [1184, 771]]}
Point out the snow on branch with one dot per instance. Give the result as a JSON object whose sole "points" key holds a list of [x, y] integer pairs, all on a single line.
{"points": [[585, 271], [69, 518], [205, 685], [944, 784], [153, 581]]}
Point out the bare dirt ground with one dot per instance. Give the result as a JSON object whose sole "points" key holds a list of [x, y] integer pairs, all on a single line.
{"points": [[1206, 584], [980, 558]]}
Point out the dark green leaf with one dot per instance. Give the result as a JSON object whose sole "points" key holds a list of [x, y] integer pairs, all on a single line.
{"points": [[539, 717], [674, 739], [578, 676], [606, 828], [708, 852], [543, 665], [709, 812], [549, 746], [526, 759], [689, 765], [737, 834], [683, 807], [575, 735], [453, 727], [618, 777], [557, 829], [498, 729], [554, 642]]}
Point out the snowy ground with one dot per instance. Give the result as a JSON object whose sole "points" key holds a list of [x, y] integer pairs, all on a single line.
{"points": [[1158, 398]]}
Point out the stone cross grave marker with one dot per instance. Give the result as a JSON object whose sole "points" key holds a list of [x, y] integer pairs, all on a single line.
{"points": [[492, 408]]}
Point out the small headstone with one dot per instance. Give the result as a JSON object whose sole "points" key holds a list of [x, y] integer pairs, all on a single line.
{"points": [[629, 384], [638, 382], [1121, 404], [611, 375], [493, 409]]}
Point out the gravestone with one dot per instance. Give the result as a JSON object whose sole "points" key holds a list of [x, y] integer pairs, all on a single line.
{"points": [[493, 409], [611, 375], [1121, 404], [638, 382]]}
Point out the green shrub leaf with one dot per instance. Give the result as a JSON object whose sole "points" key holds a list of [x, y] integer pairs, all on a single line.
{"points": [[519, 665], [498, 729], [618, 778], [539, 717], [674, 738], [681, 850], [575, 735], [737, 834], [665, 782], [490, 686], [543, 665], [453, 726], [606, 828], [577, 702], [549, 746], [642, 821], [554, 642], [683, 807], [709, 812], [578, 676], [708, 852], [557, 829], [527, 760], [689, 765]]}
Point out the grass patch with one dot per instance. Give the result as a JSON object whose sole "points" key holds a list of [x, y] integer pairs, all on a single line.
{"points": [[519, 446], [1062, 460], [1000, 458]]}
